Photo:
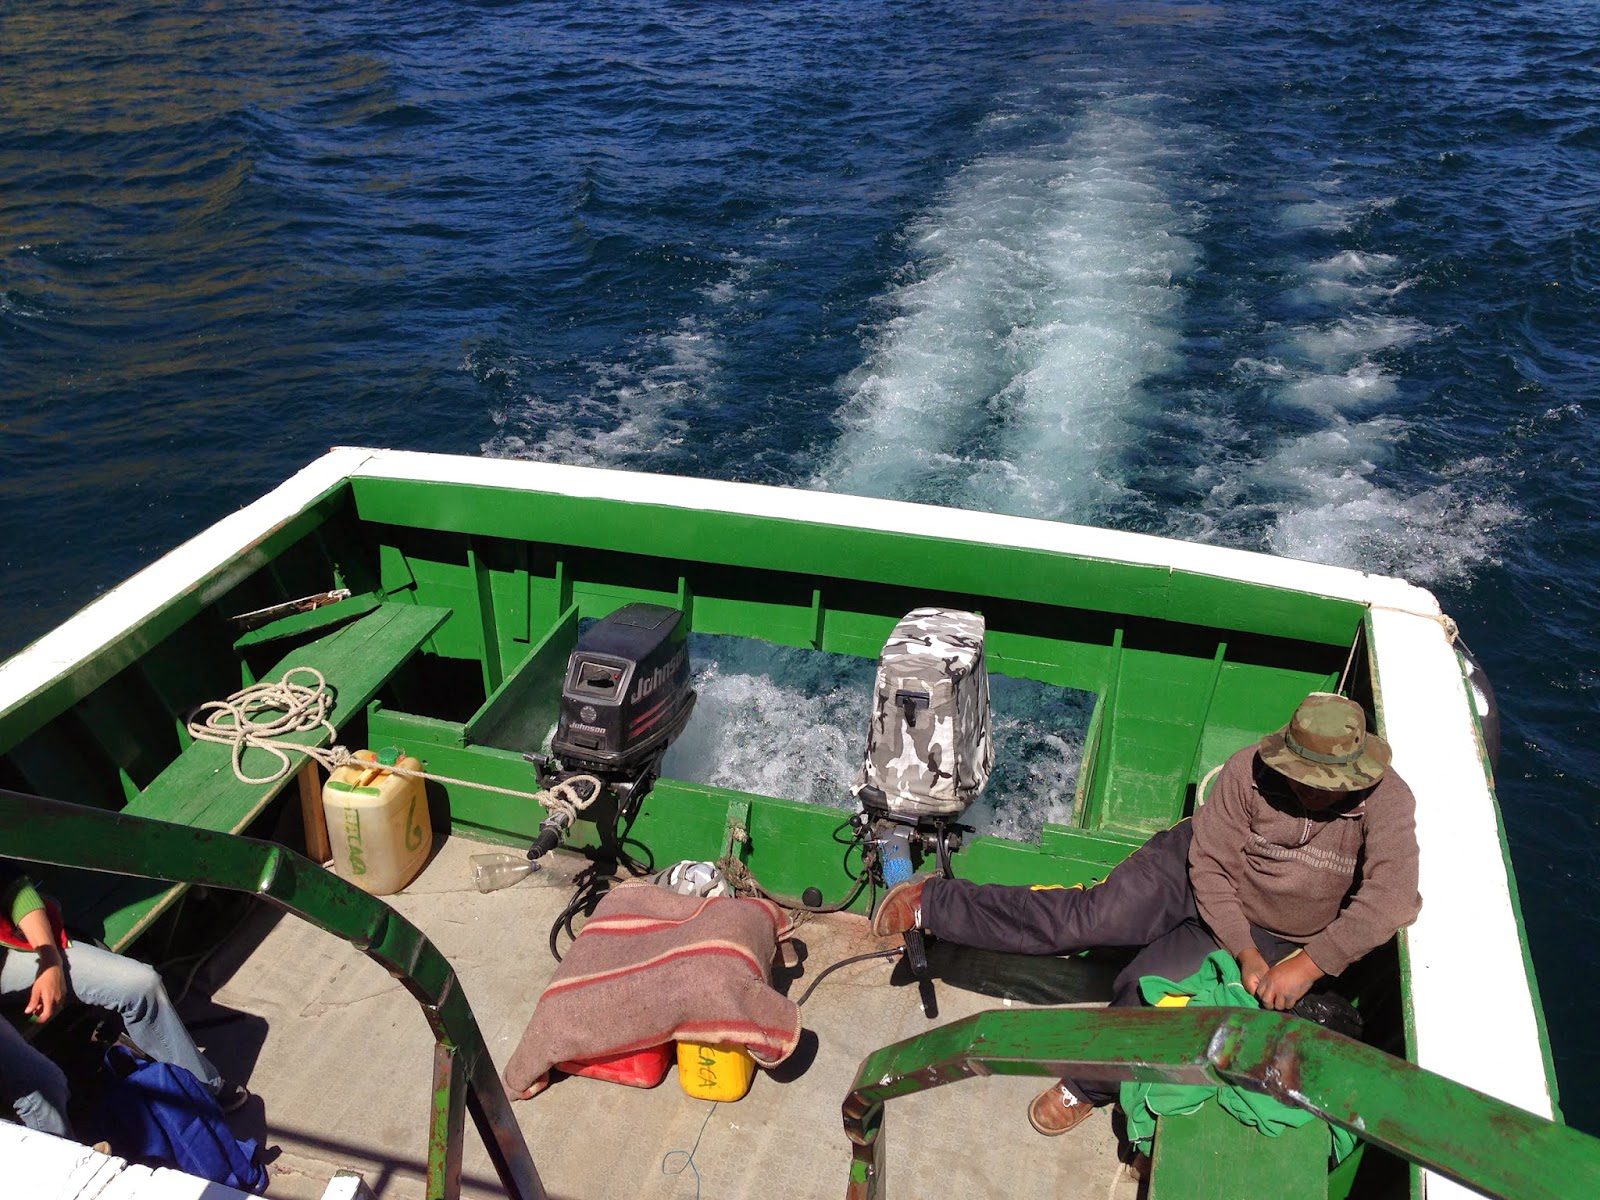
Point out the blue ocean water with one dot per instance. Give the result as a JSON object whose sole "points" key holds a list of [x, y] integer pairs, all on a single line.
{"points": [[1319, 279]]}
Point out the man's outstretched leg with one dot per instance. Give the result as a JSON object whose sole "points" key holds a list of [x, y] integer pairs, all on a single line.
{"points": [[31, 1084], [1145, 896], [1145, 901]]}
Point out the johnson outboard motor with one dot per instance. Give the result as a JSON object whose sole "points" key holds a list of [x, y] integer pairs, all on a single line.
{"points": [[929, 749], [626, 696]]}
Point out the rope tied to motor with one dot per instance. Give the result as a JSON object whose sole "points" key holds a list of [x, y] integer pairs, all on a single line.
{"points": [[564, 799]]}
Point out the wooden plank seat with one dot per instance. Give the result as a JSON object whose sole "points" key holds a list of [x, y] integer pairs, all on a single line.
{"points": [[1209, 1155], [199, 787]]}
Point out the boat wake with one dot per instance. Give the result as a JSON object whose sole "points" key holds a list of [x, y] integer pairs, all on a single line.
{"points": [[1035, 363], [1319, 479], [633, 409], [1046, 293]]}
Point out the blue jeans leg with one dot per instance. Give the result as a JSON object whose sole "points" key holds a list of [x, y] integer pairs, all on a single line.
{"points": [[129, 988], [31, 1084]]}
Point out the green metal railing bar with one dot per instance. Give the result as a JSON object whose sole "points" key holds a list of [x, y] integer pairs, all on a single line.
{"points": [[1485, 1143], [72, 835]]}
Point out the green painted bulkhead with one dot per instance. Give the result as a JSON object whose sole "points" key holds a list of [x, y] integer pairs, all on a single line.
{"points": [[1184, 668]]}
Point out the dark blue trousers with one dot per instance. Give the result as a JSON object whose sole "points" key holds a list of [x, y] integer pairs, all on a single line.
{"points": [[1146, 903]]}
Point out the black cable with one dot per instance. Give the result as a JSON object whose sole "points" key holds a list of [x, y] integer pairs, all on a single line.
{"points": [[845, 962], [798, 906], [853, 845], [855, 838], [590, 881], [587, 884]]}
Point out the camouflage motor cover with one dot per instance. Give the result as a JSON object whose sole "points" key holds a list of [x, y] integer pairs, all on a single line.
{"points": [[929, 749]]}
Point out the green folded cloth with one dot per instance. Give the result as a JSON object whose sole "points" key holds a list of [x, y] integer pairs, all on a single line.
{"points": [[1215, 985]]}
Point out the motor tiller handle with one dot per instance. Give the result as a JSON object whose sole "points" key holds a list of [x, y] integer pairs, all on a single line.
{"points": [[549, 838]]}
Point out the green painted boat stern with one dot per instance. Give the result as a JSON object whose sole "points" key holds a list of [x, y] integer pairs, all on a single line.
{"points": [[467, 584]]}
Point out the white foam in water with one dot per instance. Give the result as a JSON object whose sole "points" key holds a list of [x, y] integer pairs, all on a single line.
{"points": [[774, 721], [1350, 339], [779, 721], [1328, 215], [1343, 516], [1323, 493], [1039, 733], [1351, 276], [1363, 384], [1315, 214], [638, 405], [1049, 293], [1349, 264], [630, 409], [735, 287]]}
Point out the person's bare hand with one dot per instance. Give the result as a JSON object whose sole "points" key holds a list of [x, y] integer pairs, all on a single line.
{"points": [[1288, 981], [48, 994], [1252, 970]]}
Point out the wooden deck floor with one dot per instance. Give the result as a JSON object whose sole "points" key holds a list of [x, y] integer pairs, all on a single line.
{"points": [[339, 1059]]}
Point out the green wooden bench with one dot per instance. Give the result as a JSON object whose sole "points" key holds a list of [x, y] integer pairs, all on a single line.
{"points": [[1208, 1155], [199, 787]]}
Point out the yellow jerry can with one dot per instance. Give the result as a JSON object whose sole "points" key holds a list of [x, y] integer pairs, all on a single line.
{"points": [[377, 821], [715, 1072]]}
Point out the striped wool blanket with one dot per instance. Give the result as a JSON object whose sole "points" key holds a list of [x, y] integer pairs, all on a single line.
{"points": [[651, 966]]}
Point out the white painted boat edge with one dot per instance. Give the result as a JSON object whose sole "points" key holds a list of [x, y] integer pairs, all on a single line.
{"points": [[1468, 975], [121, 609], [831, 508], [40, 1164]]}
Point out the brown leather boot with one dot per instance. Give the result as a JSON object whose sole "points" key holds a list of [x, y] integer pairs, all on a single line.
{"points": [[900, 908], [1053, 1112]]}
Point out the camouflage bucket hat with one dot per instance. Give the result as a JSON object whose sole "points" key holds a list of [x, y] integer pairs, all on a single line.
{"points": [[1326, 745]]}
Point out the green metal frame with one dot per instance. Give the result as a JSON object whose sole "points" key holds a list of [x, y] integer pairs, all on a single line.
{"points": [[464, 1079], [1424, 1118]]}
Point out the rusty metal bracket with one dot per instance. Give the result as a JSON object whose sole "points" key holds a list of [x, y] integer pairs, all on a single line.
{"points": [[1485, 1143]]}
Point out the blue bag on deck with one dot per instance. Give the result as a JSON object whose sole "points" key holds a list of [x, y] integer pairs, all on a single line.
{"points": [[161, 1115]]}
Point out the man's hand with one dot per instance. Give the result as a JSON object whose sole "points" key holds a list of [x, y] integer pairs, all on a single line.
{"points": [[1288, 981], [49, 987], [1252, 970]]}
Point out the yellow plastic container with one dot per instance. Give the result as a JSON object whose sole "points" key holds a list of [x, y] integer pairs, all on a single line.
{"points": [[377, 821], [715, 1072]]}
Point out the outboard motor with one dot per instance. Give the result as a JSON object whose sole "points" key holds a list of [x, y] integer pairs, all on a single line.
{"points": [[929, 749], [626, 696]]}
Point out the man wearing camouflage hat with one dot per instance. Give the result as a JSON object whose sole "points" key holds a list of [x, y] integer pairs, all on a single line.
{"points": [[1303, 860]]}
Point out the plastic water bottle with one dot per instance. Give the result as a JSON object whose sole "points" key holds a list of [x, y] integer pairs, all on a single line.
{"points": [[491, 872]]}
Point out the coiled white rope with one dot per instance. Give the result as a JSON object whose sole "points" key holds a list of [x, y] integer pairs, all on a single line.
{"points": [[243, 720], [262, 715]]}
